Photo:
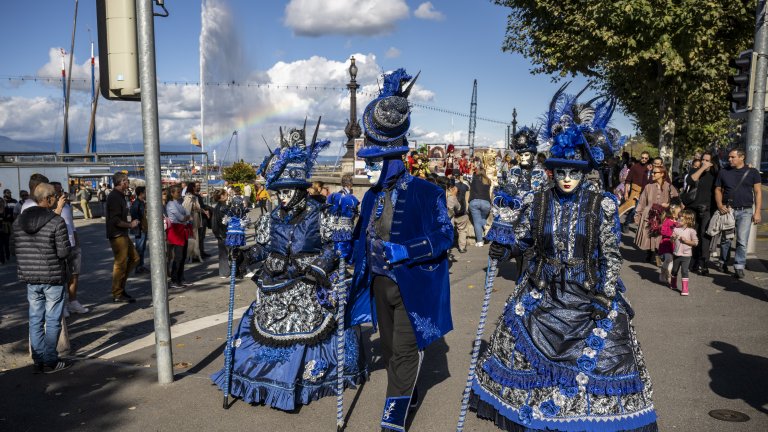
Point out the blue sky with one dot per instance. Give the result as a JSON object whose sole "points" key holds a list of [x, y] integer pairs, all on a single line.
{"points": [[294, 42]]}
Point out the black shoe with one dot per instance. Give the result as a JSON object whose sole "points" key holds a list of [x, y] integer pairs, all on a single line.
{"points": [[37, 368], [724, 268], [738, 273], [703, 270], [59, 366], [462, 250], [125, 298]]}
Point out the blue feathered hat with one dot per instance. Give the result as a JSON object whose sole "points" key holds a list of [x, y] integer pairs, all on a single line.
{"points": [[525, 140], [387, 118], [572, 129], [290, 165]]}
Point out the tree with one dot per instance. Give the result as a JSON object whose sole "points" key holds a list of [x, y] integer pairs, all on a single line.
{"points": [[239, 172], [666, 61]]}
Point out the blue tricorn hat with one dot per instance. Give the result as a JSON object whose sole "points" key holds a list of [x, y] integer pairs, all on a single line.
{"points": [[387, 118], [571, 128], [290, 166]]}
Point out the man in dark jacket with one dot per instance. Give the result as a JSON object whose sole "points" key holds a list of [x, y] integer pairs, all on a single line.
{"points": [[42, 246], [118, 226]]}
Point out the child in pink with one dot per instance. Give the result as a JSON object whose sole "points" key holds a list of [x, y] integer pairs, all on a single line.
{"points": [[666, 245], [685, 240]]}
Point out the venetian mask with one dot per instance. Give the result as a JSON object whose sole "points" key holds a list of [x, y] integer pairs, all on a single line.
{"points": [[568, 179], [373, 169], [526, 159], [286, 197]]}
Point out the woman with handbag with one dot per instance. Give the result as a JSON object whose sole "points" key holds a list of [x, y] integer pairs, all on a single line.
{"points": [[701, 200], [659, 192]]}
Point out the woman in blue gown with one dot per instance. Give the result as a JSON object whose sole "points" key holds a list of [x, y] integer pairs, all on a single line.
{"points": [[564, 355], [285, 348]]}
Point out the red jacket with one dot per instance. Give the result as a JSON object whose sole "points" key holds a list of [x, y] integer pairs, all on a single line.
{"points": [[178, 234]]}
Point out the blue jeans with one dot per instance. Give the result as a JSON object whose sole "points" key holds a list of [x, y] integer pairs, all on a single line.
{"points": [[46, 304], [141, 247], [743, 219], [479, 209]]}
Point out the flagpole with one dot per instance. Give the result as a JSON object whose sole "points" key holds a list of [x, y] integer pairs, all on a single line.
{"points": [[93, 99], [65, 137]]}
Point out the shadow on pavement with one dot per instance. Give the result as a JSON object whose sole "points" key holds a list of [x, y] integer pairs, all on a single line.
{"points": [[741, 286], [737, 375], [69, 399]]}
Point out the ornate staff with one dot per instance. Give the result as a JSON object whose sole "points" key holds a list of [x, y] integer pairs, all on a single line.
{"points": [[490, 275], [341, 301], [235, 238], [341, 212]]}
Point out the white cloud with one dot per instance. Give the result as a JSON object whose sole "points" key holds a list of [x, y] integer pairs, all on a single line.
{"points": [[392, 52], [427, 11], [254, 111], [345, 17]]}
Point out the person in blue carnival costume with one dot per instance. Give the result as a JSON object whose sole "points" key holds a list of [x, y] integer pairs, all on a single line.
{"points": [[527, 176], [564, 355], [285, 346], [400, 250]]}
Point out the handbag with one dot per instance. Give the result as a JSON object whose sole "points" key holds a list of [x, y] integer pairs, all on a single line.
{"points": [[689, 196]]}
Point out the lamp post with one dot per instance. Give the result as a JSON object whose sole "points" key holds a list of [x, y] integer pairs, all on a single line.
{"points": [[352, 130], [514, 121]]}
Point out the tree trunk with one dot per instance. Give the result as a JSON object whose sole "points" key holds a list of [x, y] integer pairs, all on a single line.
{"points": [[667, 125]]}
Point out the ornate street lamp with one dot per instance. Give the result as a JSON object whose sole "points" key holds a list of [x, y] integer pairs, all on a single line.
{"points": [[352, 129]]}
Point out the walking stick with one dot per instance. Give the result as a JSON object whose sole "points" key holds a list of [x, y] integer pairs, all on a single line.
{"points": [[341, 300], [490, 275], [235, 238]]}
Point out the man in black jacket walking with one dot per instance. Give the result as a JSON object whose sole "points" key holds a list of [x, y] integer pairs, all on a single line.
{"points": [[42, 246]]}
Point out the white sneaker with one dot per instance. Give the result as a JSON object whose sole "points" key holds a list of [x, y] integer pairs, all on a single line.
{"points": [[250, 274], [479, 244], [76, 307]]}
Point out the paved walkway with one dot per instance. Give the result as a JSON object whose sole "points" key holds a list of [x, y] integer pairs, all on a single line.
{"points": [[707, 351]]}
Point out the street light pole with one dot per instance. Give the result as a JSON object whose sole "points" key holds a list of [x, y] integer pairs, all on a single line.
{"points": [[156, 236], [757, 114], [755, 123], [352, 130]]}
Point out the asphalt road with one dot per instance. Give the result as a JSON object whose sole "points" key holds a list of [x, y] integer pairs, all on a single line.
{"points": [[704, 352]]}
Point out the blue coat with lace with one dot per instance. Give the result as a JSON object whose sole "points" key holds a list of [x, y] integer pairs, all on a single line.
{"points": [[420, 222]]}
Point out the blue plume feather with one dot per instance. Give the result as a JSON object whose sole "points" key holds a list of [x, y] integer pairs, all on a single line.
{"points": [[314, 152], [393, 82]]}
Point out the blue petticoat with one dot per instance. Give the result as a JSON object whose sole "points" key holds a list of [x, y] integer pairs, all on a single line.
{"points": [[284, 377]]}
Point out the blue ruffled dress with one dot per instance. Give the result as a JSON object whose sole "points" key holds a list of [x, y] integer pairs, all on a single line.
{"points": [[284, 349], [550, 365]]}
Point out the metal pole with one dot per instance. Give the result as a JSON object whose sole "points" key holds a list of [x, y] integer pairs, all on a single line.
{"points": [[65, 136], [756, 115], [755, 124], [148, 83]]}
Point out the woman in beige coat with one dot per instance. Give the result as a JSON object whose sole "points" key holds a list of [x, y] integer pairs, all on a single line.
{"points": [[192, 206], [658, 191]]}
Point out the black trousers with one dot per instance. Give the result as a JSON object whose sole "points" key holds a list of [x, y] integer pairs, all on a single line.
{"points": [[701, 251], [177, 265], [398, 342], [224, 269], [201, 237]]}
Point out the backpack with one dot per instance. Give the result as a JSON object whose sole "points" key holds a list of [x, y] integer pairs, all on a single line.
{"points": [[87, 194], [654, 220]]}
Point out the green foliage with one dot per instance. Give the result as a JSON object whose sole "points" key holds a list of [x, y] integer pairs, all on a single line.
{"points": [[239, 172], [665, 60]]}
